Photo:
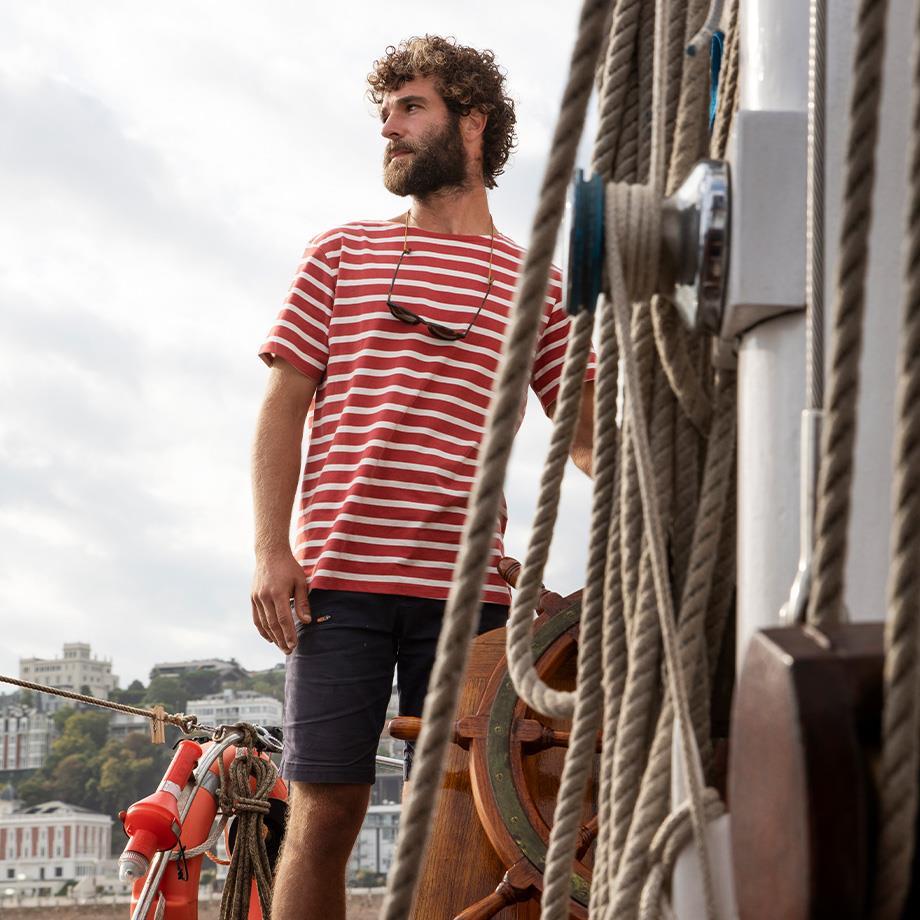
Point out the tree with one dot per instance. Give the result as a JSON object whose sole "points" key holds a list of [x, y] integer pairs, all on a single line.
{"points": [[132, 695], [166, 691], [201, 682], [130, 769], [74, 780]]}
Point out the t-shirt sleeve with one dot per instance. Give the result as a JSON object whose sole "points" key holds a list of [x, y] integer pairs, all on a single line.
{"points": [[300, 334], [550, 354]]}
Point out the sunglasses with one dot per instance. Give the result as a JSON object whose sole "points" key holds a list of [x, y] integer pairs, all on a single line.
{"points": [[438, 330], [411, 318]]}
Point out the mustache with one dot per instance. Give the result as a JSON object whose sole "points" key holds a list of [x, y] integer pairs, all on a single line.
{"points": [[394, 149]]}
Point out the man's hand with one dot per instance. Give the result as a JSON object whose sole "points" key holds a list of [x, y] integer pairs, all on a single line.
{"points": [[278, 578]]}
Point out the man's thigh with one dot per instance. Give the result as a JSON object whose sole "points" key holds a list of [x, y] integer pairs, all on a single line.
{"points": [[419, 628], [337, 686]]}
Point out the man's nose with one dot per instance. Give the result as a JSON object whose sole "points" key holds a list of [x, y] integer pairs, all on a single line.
{"points": [[391, 127]]}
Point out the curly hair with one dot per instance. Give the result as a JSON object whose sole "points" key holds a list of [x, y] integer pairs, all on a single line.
{"points": [[467, 79]]}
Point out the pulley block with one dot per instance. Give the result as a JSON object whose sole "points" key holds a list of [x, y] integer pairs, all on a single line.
{"points": [[693, 259]]}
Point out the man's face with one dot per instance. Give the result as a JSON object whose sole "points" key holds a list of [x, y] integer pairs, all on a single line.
{"points": [[425, 151]]}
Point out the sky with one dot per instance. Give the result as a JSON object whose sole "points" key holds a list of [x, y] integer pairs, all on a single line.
{"points": [[161, 169]]}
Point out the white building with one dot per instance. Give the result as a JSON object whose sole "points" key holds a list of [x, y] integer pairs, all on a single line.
{"points": [[44, 846], [76, 671], [123, 724], [232, 706], [375, 847], [25, 737]]}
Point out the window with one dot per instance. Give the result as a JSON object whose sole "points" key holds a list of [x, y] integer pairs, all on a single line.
{"points": [[11, 873], [58, 871]]}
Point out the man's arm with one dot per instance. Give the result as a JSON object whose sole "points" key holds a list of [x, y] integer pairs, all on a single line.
{"points": [[582, 452], [275, 472]]}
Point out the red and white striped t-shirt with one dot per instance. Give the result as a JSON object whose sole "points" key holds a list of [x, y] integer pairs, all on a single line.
{"points": [[399, 414]]}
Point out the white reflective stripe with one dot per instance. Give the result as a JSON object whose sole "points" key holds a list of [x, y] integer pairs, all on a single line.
{"points": [[172, 788]]}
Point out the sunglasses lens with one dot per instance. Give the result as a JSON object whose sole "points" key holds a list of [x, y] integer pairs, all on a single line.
{"points": [[444, 332], [404, 315]]}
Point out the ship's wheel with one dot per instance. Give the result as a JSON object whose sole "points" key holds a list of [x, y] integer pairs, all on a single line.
{"points": [[491, 830]]}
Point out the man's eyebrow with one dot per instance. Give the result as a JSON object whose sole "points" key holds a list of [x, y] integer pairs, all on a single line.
{"points": [[401, 100]]}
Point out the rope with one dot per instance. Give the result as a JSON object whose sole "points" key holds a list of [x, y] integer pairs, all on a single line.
{"points": [[250, 806], [459, 617], [589, 700], [670, 839], [825, 604], [614, 81], [182, 721], [900, 758], [534, 691], [675, 674], [627, 609]]}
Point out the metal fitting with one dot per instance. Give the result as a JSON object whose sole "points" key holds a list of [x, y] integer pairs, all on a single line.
{"points": [[693, 260]]}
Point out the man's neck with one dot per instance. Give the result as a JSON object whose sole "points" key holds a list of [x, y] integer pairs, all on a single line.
{"points": [[464, 212]]}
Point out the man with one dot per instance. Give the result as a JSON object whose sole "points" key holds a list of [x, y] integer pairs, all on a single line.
{"points": [[392, 331]]}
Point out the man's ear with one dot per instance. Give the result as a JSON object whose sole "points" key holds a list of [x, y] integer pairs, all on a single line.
{"points": [[474, 124]]}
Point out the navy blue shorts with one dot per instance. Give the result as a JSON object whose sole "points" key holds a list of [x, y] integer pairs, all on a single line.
{"points": [[339, 678]]}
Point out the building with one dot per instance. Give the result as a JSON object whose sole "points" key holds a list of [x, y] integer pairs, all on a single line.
{"points": [[26, 734], [375, 847], [45, 846], [228, 670], [123, 724], [77, 670], [230, 706]]}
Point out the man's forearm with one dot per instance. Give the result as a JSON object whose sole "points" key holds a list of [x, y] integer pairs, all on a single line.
{"points": [[582, 451], [275, 473]]}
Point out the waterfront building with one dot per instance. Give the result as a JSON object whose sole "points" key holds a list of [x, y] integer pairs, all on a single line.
{"points": [[44, 847]]}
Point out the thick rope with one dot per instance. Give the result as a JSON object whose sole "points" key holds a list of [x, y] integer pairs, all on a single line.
{"points": [[614, 648], [588, 710], [900, 759], [250, 857], [671, 838], [614, 82], [708, 528], [528, 684], [825, 604], [727, 97], [675, 675], [462, 605]]}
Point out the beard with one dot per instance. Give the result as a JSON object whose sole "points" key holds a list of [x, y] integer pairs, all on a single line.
{"points": [[436, 162]]}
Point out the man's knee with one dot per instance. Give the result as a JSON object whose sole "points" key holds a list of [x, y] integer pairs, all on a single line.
{"points": [[327, 814]]}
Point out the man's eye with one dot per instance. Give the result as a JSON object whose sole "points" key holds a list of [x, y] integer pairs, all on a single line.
{"points": [[411, 106]]}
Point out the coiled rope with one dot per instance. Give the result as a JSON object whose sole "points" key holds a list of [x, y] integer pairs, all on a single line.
{"points": [[249, 859]]}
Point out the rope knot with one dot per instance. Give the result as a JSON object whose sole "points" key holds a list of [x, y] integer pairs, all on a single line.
{"points": [[634, 221], [242, 805]]}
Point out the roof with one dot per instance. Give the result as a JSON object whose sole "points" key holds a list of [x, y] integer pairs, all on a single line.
{"points": [[56, 808]]}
